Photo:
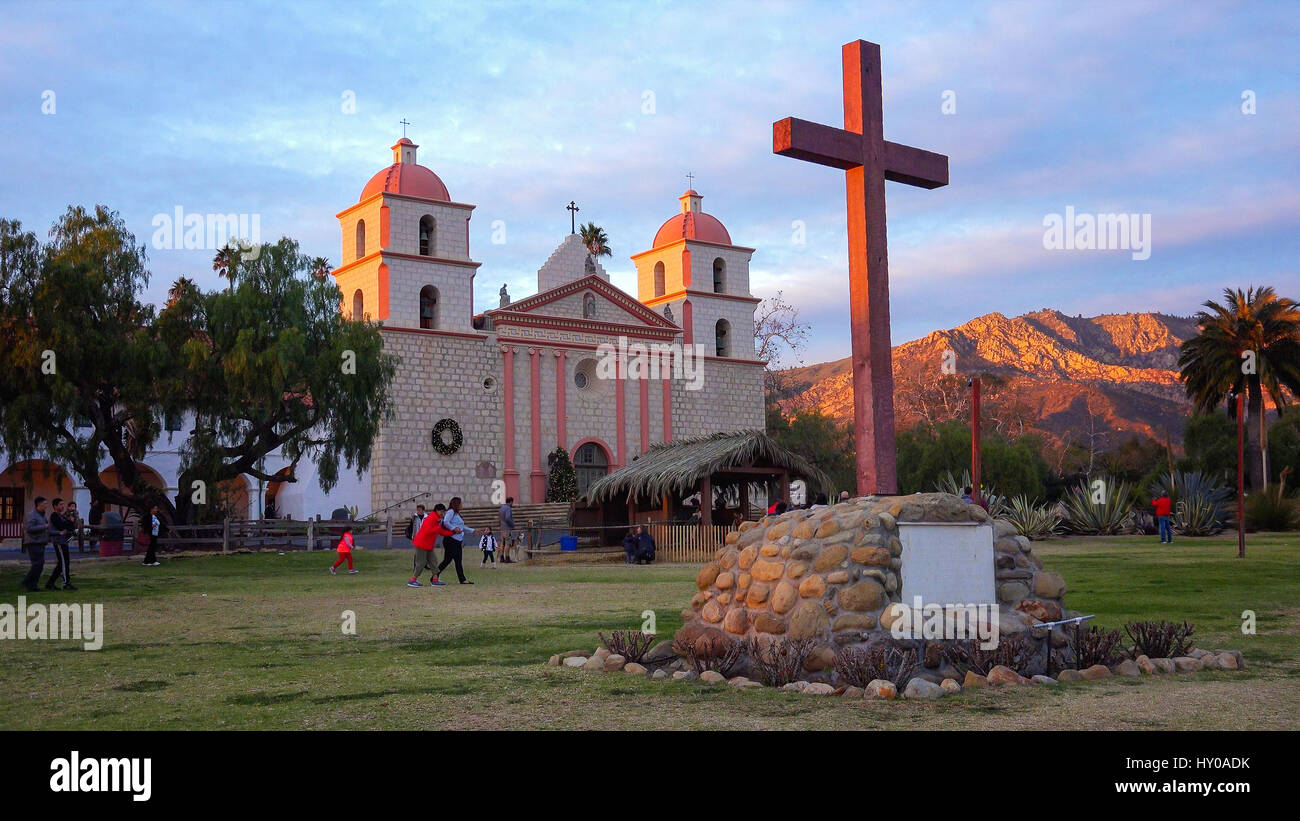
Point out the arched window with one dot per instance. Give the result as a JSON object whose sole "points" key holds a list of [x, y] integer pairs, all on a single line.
{"points": [[428, 307], [719, 273], [588, 307], [361, 238], [428, 236], [590, 462], [722, 337], [660, 287], [358, 305]]}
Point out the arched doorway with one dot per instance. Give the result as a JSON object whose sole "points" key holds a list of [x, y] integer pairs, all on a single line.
{"points": [[276, 501], [111, 479], [590, 462], [21, 483], [232, 497]]}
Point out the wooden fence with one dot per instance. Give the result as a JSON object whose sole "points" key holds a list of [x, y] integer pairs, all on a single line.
{"points": [[687, 543], [254, 534]]}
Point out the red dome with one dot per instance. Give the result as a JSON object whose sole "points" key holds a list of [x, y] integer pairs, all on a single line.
{"points": [[409, 179], [692, 225]]}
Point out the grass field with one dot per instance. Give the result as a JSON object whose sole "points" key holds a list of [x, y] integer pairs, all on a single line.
{"points": [[254, 641]]}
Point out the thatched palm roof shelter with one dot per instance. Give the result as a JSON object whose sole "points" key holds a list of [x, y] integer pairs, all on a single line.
{"points": [[702, 463]]}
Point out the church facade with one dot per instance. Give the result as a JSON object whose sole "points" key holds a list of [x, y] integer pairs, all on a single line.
{"points": [[483, 397]]}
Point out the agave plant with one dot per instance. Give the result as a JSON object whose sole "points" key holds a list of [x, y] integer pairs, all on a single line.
{"points": [[1201, 503], [948, 483], [1100, 506], [1032, 521]]}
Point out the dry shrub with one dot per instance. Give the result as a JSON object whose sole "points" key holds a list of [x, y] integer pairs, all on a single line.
{"points": [[779, 662], [1016, 652], [888, 660], [1159, 639], [630, 644]]}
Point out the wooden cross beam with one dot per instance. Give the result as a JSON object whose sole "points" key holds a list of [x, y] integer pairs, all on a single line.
{"points": [[867, 159]]}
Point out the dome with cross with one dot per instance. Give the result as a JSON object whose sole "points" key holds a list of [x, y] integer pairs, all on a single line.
{"points": [[405, 177], [692, 223]]}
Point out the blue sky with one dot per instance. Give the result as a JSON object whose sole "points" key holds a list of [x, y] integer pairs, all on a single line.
{"points": [[1106, 107]]}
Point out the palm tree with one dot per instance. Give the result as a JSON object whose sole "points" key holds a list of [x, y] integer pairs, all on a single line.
{"points": [[595, 239], [320, 267], [224, 264], [180, 288], [1249, 343]]}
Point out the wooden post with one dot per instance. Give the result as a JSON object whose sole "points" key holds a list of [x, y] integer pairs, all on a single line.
{"points": [[388, 532], [744, 501], [976, 494], [785, 487], [1241, 478], [225, 535], [311, 535], [706, 501]]}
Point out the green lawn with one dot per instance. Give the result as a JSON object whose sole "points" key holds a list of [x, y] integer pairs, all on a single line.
{"points": [[254, 641]]}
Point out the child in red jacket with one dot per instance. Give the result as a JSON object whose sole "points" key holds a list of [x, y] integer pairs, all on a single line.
{"points": [[345, 552]]}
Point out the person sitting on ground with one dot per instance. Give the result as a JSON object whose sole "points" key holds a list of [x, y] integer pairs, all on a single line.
{"points": [[966, 497], [844, 495], [780, 507], [645, 552], [821, 501]]}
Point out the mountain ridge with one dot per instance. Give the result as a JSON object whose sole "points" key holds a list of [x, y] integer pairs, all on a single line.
{"points": [[1063, 376]]}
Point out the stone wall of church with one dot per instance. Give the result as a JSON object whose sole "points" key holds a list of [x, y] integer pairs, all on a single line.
{"points": [[440, 376], [735, 276], [455, 284], [731, 398], [705, 313], [451, 240], [369, 214]]}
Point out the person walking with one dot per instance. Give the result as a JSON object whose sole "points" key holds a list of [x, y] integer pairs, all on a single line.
{"points": [[506, 523], [149, 527], [1163, 507], [451, 545], [61, 527], [36, 532], [345, 552], [488, 544], [425, 539]]}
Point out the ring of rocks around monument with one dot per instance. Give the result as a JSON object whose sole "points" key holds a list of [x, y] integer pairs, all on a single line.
{"points": [[809, 601]]}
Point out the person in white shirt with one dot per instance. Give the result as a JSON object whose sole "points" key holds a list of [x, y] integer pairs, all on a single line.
{"points": [[488, 544], [451, 545]]}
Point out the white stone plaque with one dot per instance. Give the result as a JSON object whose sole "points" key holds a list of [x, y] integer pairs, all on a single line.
{"points": [[947, 562]]}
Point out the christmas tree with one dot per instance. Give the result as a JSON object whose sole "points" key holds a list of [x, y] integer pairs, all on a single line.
{"points": [[562, 486]]}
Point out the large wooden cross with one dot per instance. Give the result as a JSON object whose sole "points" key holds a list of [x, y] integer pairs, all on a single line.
{"points": [[868, 160]]}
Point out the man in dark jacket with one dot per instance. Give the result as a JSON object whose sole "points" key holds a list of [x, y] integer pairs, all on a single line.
{"points": [[645, 551], [61, 527], [36, 532]]}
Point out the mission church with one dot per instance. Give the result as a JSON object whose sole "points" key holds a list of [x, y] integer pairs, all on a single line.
{"points": [[504, 387]]}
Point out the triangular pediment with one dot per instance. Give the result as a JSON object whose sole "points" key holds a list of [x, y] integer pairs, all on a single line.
{"points": [[569, 302]]}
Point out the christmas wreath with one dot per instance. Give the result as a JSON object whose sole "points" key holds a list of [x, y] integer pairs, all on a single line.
{"points": [[440, 444]]}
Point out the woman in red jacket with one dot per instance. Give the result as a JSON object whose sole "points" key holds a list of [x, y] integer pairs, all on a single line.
{"points": [[430, 529]]}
